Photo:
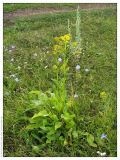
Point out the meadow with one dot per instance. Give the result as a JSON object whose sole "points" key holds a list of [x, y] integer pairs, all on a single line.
{"points": [[60, 84]]}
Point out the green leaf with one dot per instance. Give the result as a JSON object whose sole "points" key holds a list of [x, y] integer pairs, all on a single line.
{"points": [[53, 117], [35, 149], [51, 132], [35, 92], [37, 102], [61, 138], [41, 114], [38, 97], [36, 137], [67, 117], [33, 126], [65, 142], [75, 134], [90, 140], [58, 125], [51, 138], [48, 141], [84, 133]]}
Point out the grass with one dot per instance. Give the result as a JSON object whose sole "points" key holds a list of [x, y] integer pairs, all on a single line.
{"points": [[10, 7], [35, 34], [21, 6]]}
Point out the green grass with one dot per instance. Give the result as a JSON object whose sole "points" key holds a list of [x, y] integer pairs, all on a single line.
{"points": [[15, 6], [35, 34]]}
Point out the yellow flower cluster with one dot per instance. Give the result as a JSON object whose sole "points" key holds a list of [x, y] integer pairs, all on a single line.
{"points": [[103, 94], [56, 47], [66, 38]]}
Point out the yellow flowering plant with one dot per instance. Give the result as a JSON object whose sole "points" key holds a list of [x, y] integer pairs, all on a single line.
{"points": [[66, 38], [54, 117], [103, 95]]}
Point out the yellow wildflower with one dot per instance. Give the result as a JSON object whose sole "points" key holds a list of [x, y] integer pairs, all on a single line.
{"points": [[57, 39], [103, 94], [66, 38], [56, 47]]}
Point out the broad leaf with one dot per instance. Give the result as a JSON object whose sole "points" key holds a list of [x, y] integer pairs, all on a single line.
{"points": [[32, 126], [58, 125], [41, 114], [65, 142], [75, 134], [35, 149], [90, 140]]}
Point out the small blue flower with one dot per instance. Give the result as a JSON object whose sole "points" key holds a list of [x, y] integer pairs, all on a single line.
{"points": [[103, 136]]}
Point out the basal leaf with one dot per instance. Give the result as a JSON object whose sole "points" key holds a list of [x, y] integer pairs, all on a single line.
{"points": [[75, 134], [32, 126], [41, 114], [35, 149], [48, 141], [58, 125], [65, 142], [90, 140]]}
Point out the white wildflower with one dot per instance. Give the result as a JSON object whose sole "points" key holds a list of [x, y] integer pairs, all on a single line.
{"points": [[45, 67], [60, 59], [13, 46], [16, 79], [87, 70], [78, 67], [13, 75], [10, 50], [98, 152], [12, 60], [35, 54], [103, 154], [19, 67], [75, 96]]}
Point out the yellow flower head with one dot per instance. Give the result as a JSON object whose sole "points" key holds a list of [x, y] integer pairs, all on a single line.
{"points": [[56, 47], [103, 94], [66, 38]]}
